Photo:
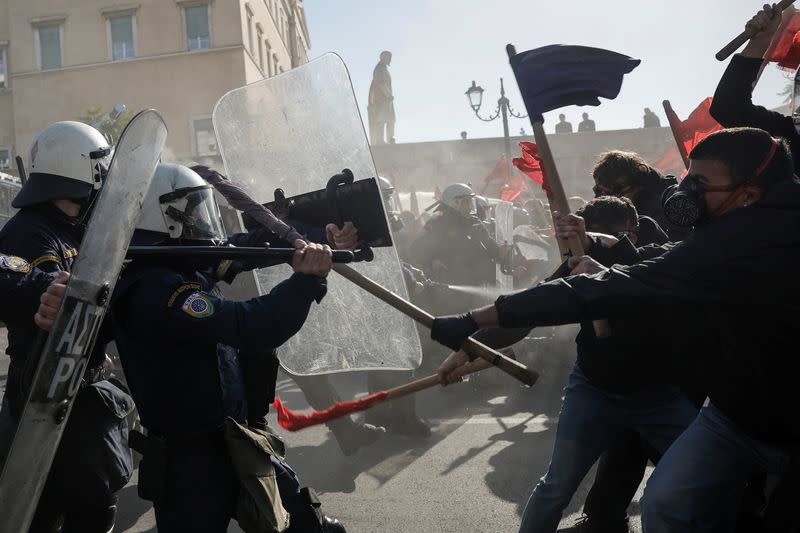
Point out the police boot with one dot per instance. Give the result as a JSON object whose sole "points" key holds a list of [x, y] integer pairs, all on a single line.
{"points": [[308, 518], [352, 435]]}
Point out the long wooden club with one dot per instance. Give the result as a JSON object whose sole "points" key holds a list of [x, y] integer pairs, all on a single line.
{"points": [[504, 363], [745, 36]]}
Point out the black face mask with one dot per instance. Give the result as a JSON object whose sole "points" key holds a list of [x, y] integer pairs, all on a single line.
{"points": [[685, 204]]}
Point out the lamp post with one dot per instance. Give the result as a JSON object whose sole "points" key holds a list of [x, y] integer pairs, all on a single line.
{"points": [[504, 109]]}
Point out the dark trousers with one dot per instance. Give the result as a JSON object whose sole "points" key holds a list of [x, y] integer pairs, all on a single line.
{"points": [[202, 488], [619, 473]]}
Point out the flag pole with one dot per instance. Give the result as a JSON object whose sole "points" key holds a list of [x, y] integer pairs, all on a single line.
{"points": [[673, 120], [558, 198]]}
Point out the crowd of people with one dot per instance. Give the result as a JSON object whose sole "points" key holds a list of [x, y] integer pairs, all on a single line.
{"points": [[694, 371]]}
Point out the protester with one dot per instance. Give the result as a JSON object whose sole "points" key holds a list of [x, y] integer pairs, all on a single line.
{"points": [[612, 388], [733, 101], [739, 189], [618, 173]]}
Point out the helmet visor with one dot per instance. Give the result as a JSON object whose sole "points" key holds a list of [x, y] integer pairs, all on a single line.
{"points": [[192, 213]]}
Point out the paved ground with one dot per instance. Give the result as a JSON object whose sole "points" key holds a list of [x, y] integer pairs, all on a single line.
{"points": [[474, 474]]}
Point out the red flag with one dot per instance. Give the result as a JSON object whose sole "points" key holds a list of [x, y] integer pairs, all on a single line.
{"points": [[670, 161], [785, 47], [694, 129], [498, 173], [530, 164], [293, 421]]}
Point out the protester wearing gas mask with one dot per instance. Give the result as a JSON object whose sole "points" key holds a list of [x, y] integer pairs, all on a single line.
{"points": [[733, 101], [627, 174], [726, 271]]}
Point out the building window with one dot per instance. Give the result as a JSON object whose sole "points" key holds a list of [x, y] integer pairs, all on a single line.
{"points": [[48, 40], [205, 142], [275, 66], [5, 158], [269, 58], [3, 68], [250, 40], [260, 41], [198, 34], [121, 30]]}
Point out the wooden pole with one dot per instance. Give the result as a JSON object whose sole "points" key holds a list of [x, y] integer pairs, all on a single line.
{"points": [[672, 117], [558, 198], [506, 364], [745, 36], [432, 381]]}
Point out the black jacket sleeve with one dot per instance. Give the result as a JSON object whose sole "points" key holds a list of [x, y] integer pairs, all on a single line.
{"points": [[173, 308], [687, 274], [733, 101]]}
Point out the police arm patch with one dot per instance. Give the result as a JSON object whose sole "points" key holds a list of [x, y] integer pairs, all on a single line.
{"points": [[14, 264], [198, 305]]}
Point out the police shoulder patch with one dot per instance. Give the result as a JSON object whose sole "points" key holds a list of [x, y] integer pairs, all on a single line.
{"points": [[198, 305], [14, 264]]}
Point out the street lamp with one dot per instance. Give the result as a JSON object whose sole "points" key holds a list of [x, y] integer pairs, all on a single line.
{"points": [[475, 97]]}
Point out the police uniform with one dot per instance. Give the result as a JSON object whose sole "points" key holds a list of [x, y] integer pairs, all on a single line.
{"points": [[186, 375], [93, 460]]}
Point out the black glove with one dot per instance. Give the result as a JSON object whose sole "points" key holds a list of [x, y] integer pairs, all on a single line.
{"points": [[209, 174], [453, 330]]}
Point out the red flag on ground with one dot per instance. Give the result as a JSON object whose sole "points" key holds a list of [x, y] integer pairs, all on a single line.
{"points": [[694, 129], [785, 47], [530, 164]]}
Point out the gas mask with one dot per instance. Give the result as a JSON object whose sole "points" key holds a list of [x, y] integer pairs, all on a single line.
{"points": [[685, 204]]}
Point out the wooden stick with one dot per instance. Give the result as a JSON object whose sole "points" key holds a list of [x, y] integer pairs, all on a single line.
{"points": [[671, 117], [432, 381], [745, 36], [506, 364]]}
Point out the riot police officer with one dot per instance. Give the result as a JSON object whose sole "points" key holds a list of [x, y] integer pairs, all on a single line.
{"points": [[186, 373], [456, 247], [67, 165]]}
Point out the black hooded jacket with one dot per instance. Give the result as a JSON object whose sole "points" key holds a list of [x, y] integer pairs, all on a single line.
{"points": [[731, 275], [733, 105]]}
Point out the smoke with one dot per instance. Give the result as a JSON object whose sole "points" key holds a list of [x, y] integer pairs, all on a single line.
{"points": [[489, 293]]}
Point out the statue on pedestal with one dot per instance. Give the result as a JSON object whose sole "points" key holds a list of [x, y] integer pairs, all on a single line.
{"points": [[380, 110]]}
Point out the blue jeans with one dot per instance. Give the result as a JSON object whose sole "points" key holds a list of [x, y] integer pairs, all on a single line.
{"points": [[590, 420], [699, 482]]}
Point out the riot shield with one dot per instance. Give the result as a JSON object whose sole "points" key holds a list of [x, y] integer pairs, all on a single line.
{"points": [[504, 235], [66, 351], [294, 131]]}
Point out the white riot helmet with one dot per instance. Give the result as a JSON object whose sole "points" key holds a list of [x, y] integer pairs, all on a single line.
{"points": [[181, 205], [67, 160], [460, 197], [390, 203]]}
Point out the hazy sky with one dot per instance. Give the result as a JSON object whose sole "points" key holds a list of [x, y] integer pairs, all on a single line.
{"points": [[439, 46]]}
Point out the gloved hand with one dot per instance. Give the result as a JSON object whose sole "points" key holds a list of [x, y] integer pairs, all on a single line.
{"points": [[209, 174], [453, 330]]}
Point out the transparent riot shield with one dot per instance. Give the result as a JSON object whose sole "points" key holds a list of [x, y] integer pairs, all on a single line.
{"points": [[66, 351], [294, 131], [504, 235]]}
